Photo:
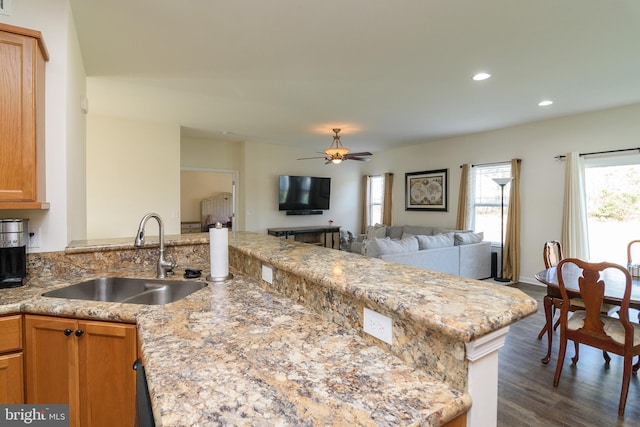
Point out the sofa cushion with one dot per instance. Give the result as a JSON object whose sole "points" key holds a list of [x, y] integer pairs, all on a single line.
{"points": [[468, 238], [437, 241], [416, 229], [395, 231], [385, 246]]}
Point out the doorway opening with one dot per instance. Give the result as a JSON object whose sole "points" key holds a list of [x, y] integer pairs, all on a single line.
{"points": [[198, 185]]}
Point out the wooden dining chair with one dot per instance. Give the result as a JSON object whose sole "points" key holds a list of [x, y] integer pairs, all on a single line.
{"points": [[590, 326], [551, 255], [630, 252]]}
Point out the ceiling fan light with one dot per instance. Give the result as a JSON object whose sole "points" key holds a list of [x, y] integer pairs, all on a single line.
{"points": [[336, 151], [336, 161]]}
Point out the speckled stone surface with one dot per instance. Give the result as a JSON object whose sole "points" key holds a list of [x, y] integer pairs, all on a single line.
{"points": [[243, 352], [433, 314]]}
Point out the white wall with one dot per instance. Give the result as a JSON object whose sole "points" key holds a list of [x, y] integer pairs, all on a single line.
{"points": [[536, 144], [133, 168], [64, 125]]}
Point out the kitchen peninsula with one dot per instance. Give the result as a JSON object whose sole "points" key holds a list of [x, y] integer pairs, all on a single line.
{"points": [[291, 352]]}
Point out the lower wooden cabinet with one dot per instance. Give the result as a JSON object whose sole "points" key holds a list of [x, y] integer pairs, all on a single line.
{"points": [[11, 374], [86, 364]]}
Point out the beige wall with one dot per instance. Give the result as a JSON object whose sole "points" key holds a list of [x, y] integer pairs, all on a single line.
{"points": [[261, 187], [133, 168], [76, 140], [536, 144], [259, 166], [208, 154]]}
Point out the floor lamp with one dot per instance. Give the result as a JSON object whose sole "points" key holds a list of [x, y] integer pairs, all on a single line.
{"points": [[502, 182]]}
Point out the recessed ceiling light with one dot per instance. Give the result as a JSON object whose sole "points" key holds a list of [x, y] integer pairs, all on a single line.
{"points": [[545, 103], [481, 76]]}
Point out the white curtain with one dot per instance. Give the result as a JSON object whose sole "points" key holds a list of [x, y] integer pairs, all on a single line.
{"points": [[575, 234]]}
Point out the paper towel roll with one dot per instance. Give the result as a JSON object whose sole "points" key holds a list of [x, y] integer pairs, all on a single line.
{"points": [[219, 253]]}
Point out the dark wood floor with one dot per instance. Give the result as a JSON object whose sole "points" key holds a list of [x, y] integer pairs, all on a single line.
{"points": [[587, 395]]}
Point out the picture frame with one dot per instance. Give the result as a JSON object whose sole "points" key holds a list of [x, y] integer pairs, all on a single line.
{"points": [[427, 190]]}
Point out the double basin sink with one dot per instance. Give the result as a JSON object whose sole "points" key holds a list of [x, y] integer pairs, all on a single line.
{"points": [[128, 290]]}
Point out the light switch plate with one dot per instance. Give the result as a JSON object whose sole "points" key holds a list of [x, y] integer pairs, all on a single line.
{"points": [[5, 7]]}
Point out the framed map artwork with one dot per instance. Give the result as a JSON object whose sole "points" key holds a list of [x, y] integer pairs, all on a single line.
{"points": [[426, 191]]}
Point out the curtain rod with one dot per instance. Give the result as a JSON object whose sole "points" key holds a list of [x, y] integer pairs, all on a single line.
{"points": [[492, 163], [601, 152]]}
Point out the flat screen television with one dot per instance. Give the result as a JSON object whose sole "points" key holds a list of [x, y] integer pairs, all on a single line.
{"points": [[304, 193]]}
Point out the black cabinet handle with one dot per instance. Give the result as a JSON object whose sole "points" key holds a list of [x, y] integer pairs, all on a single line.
{"points": [[79, 332], [67, 332]]}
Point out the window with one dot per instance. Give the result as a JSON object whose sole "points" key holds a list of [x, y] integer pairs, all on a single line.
{"points": [[376, 192], [613, 206], [486, 199]]}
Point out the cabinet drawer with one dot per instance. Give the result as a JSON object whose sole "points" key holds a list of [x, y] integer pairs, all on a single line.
{"points": [[11, 379], [10, 333]]}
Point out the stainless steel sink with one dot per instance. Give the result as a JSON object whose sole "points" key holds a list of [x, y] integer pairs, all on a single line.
{"points": [[128, 290]]}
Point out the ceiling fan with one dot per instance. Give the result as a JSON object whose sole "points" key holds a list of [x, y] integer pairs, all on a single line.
{"points": [[336, 153]]}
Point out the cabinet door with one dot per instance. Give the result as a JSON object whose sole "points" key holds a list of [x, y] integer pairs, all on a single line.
{"points": [[51, 361], [22, 152], [17, 118], [106, 353], [11, 379]]}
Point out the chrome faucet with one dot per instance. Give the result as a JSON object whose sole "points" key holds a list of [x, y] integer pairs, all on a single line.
{"points": [[164, 266]]}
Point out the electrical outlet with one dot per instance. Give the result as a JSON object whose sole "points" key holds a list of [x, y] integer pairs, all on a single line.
{"points": [[34, 238], [378, 325], [5, 7], [267, 274]]}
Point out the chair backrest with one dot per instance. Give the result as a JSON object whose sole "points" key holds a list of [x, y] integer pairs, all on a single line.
{"points": [[629, 252], [594, 281], [551, 253]]}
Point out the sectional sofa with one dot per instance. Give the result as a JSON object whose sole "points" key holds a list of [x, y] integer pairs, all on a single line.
{"points": [[458, 252]]}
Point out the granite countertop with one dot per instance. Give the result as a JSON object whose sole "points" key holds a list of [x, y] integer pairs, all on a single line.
{"points": [[234, 353], [245, 352]]}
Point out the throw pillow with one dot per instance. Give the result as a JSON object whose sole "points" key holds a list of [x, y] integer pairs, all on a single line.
{"points": [[437, 241], [378, 231], [379, 247], [468, 238]]}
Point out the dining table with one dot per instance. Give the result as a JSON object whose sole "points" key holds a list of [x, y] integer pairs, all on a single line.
{"points": [[614, 291]]}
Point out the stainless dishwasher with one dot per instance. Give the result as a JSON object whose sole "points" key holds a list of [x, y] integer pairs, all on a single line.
{"points": [[144, 413]]}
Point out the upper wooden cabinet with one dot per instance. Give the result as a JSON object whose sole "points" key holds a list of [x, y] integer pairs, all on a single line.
{"points": [[22, 76]]}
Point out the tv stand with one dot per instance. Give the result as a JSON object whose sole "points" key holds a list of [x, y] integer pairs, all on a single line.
{"points": [[319, 235]]}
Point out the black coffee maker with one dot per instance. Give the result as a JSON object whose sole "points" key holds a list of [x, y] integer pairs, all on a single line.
{"points": [[14, 236]]}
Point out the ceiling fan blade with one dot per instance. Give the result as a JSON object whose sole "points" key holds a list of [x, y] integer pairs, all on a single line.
{"points": [[363, 153], [307, 158], [361, 159]]}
